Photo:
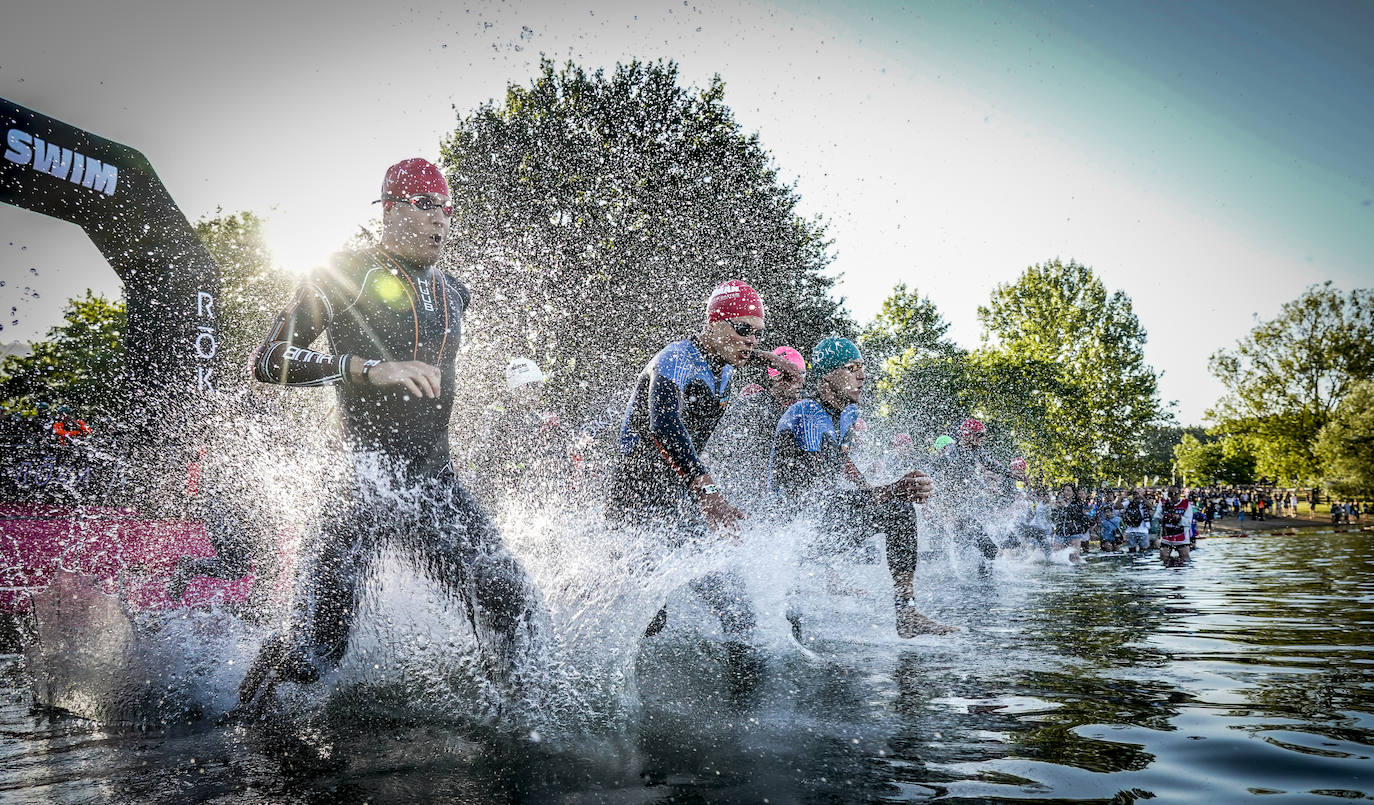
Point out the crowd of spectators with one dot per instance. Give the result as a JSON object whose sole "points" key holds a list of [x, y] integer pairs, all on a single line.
{"points": [[1107, 516]]}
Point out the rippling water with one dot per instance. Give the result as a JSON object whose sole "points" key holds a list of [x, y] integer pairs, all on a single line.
{"points": [[1248, 674]]}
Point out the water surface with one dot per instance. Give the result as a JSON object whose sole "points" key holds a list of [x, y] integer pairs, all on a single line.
{"points": [[1247, 675]]}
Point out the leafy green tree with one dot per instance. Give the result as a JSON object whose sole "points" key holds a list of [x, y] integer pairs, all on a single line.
{"points": [[1092, 393], [907, 322], [1203, 459], [80, 364], [925, 384], [1156, 458], [252, 288], [595, 212], [1345, 445], [1285, 378], [918, 373]]}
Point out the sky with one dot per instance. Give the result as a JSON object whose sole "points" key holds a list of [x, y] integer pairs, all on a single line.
{"points": [[1210, 160]]}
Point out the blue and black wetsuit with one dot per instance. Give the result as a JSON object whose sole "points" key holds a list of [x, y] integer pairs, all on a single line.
{"points": [[810, 468], [677, 401], [379, 307]]}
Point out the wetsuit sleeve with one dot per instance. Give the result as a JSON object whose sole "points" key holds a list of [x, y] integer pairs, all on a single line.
{"points": [[668, 430], [989, 463], [285, 357], [464, 295]]}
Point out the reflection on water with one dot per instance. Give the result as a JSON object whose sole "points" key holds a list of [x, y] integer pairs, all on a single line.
{"points": [[1248, 674]]}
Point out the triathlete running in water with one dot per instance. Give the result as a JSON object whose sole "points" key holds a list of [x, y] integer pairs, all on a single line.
{"points": [[394, 323], [741, 444], [811, 469], [1071, 522], [967, 500], [659, 479]]}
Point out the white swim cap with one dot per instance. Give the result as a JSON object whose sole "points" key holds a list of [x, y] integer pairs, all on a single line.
{"points": [[522, 371]]}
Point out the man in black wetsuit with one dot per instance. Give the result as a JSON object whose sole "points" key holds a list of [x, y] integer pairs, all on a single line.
{"points": [[394, 324], [659, 480], [963, 472], [810, 469]]}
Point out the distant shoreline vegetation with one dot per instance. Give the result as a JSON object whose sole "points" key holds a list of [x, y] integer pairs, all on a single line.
{"points": [[640, 194]]}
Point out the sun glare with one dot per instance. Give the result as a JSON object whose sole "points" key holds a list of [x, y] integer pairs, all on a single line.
{"points": [[300, 243]]}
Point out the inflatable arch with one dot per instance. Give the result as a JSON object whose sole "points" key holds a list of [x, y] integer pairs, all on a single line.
{"points": [[171, 284]]}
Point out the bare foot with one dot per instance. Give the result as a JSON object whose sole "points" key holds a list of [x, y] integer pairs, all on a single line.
{"points": [[911, 623]]}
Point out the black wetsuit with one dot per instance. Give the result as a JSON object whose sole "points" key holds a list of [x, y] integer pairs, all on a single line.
{"points": [[405, 492], [1070, 520], [964, 501]]}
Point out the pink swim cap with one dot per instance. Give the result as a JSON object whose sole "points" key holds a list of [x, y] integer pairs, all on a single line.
{"points": [[792, 356]]}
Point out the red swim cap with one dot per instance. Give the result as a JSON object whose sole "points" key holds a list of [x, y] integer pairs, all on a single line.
{"points": [[794, 357], [970, 426], [733, 300], [411, 177], [1017, 465], [901, 440]]}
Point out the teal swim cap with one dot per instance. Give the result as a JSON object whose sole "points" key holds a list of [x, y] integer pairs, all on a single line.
{"points": [[832, 353]]}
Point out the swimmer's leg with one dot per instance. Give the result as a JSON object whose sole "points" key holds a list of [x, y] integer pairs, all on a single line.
{"points": [[462, 551]]}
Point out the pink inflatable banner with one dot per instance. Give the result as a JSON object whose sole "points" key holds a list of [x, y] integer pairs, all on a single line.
{"points": [[125, 552]]}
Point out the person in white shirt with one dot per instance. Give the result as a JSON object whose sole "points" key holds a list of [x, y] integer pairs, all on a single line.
{"points": [[1135, 516]]}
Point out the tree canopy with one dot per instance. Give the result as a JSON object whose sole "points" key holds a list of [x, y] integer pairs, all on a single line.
{"points": [[1345, 445], [80, 364], [1285, 378], [252, 288], [1069, 357], [1204, 459], [596, 211]]}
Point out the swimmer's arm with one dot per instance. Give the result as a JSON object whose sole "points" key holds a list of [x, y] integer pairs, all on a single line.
{"points": [[285, 358], [668, 430]]}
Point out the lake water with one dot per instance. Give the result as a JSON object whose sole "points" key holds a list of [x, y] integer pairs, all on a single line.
{"points": [[1247, 675]]}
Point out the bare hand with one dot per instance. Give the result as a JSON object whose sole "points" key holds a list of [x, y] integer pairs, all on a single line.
{"points": [[417, 377], [720, 515], [788, 369], [914, 487]]}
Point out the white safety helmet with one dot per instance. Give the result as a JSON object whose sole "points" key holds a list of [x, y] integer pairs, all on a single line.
{"points": [[522, 371]]}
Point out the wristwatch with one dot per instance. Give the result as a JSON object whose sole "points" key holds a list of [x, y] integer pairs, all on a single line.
{"points": [[367, 367], [709, 489]]}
